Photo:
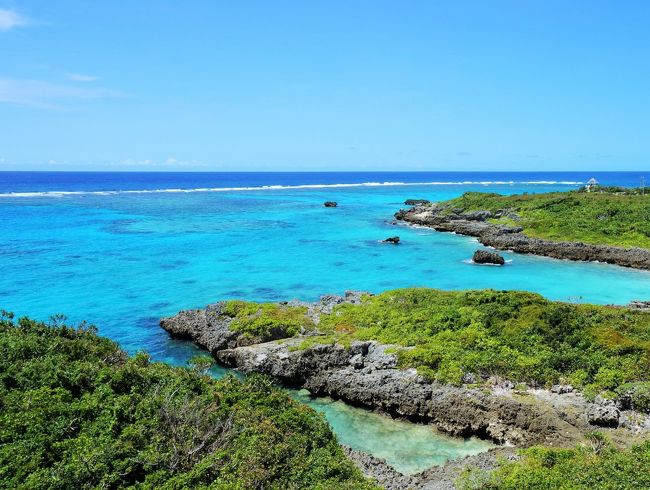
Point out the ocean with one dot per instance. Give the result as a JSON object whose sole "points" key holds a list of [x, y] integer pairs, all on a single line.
{"points": [[123, 249]]}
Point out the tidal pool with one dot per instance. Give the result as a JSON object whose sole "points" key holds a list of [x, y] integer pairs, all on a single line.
{"points": [[406, 446]]}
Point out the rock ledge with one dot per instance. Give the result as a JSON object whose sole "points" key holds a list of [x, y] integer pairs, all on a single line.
{"points": [[475, 224]]}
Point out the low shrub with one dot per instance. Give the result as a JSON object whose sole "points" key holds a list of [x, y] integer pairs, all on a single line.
{"points": [[597, 466], [611, 216], [638, 395], [267, 321], [77, 412], [514, 335]]}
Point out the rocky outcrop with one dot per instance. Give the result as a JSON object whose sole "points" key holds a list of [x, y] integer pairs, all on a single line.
{"points": [[366, 373], [487, 257], [562, 389], [208, 328], [329, 301], [330, 204], [639, 305], [393, 240], [603, 413], [416, 202], [435, 478], [512, 238], [381, 472]]}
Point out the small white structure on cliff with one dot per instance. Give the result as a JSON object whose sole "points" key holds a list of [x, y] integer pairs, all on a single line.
{"points": [[591, 184]]}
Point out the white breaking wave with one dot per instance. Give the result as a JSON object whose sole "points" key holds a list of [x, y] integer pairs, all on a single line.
{"points": [[275, 187]]}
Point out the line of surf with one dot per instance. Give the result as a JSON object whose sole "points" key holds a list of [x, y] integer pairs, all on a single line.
{"points": [[276, 187]]}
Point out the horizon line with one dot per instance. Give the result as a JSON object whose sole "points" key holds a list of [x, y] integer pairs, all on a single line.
{"points": [[319, 171]]}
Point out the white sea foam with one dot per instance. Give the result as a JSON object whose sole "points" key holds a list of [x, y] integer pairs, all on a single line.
{"points": [[276, 187]]}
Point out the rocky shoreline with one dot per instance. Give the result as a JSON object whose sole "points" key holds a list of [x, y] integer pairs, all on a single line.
{"points": [[435, 478], [476, 224], [366, 373]]}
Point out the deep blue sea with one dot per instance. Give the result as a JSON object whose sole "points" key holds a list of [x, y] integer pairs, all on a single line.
{"points": [[122, 250]]}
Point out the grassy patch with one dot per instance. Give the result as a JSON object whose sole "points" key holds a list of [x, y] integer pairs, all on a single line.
{"points": [[582, 468], [517, 335], [610, 217], [327, 339], [267, 321]]}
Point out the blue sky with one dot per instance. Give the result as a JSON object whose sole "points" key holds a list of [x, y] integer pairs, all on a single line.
{"points": [[324, 85]]}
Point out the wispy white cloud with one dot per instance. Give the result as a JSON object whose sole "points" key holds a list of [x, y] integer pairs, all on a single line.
{"points": [[176, 162], [170, 162], [132, 162], [10, 19], [47, 95], [80, 77]]}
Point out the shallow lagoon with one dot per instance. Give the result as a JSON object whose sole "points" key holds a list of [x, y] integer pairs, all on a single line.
{"points": [[123, 260], [408, 447]]}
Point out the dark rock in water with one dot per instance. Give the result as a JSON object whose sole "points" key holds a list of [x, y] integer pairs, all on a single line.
{"points": [[393, 239], [330, 204], [416, 202], [486, 257]]}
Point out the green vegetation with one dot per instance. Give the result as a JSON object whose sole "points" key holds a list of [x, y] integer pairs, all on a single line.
{"points": [[267, 321], [515, 335], [611, 216], [77, 412], [584, 468], [638, 393]]}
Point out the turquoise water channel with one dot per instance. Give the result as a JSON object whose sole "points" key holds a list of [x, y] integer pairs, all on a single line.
{"points": [[406, 446]]}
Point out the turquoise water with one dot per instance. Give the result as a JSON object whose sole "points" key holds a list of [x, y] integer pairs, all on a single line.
{"points": [[123, 260], [409, 447]]}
